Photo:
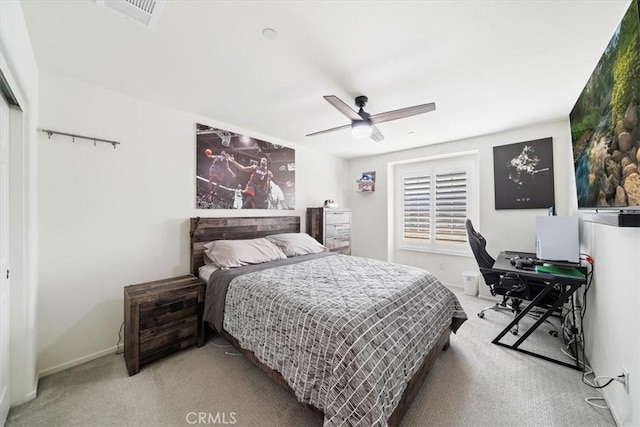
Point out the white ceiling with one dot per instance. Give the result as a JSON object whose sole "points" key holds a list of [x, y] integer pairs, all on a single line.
{"points": [[488, 65]]}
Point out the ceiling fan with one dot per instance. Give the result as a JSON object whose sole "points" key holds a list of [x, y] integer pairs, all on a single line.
{"points": [[363, 124]]}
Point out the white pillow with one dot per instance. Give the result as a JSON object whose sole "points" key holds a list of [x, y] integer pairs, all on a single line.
{"points": [[295, 244], [236, 253], [206, 259], [207, 270]]}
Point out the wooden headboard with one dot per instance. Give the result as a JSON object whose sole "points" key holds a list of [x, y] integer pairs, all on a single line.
{"points": [[204, 230]]}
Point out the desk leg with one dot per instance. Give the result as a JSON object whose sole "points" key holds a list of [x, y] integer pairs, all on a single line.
{"points": [[564, 297], [569, 290], [523, 313]]}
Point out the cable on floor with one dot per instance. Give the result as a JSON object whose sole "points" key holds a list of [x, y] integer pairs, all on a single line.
{"points": [[119, 339], [589, 401], [587, 370], [220, 345], [225, 346]]}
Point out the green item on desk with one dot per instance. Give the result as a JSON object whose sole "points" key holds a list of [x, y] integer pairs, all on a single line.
{"points": [[560, 271]]}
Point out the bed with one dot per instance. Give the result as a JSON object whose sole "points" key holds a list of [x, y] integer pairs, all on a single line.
{"points": [[351, 337]]}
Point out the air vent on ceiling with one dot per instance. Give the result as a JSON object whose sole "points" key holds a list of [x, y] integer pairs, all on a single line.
{"points": [[145, 12]]}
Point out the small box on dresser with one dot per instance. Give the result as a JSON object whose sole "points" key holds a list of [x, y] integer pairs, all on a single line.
{"points": [[331, 227], [160, 318]]}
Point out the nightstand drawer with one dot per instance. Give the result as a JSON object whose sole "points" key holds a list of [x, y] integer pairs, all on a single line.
{"points": [[172, 333], [166, 311], [151, 333], [165, 350]]}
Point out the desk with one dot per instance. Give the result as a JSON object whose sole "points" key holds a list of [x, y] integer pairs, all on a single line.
{"points": [[565, 284]]}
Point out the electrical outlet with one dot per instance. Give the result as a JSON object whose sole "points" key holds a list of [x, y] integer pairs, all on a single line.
{"points": [[625, 373]]}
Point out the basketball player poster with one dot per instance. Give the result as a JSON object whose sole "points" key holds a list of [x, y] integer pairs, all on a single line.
{"points": [[235, 171]]}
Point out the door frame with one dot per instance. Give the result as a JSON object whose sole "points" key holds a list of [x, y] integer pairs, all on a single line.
{"points": [[5, 262], [23, 219]]}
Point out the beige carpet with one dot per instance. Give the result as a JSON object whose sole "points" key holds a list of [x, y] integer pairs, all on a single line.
{"points": [[474, 383]]}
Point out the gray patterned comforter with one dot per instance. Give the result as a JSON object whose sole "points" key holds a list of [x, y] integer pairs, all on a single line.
{"points": [[346, 333]]}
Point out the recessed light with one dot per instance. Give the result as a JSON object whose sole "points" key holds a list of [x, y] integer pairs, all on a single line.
{"points": [[269, 34], [411, 133]]}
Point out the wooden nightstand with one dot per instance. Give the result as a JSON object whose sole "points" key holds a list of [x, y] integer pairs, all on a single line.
{"points": [[160, 318]]}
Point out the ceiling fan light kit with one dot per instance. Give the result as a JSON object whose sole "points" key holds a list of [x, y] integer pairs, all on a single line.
{"points": [[363, 124], [361, 129]]}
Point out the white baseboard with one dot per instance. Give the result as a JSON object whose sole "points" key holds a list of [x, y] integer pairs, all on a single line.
{"points": [[28, 397], [80, 361], [458, 288], [4, 410], [612, 408]]}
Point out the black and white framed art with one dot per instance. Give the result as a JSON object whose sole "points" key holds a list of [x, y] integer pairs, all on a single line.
{"points": [[523, 175]]}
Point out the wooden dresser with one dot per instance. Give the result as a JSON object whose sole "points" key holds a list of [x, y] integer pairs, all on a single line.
{"points": [[160, 318], [331, 227]]}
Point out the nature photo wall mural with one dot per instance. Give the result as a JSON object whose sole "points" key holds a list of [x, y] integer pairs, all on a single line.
{"points": [[235, 171], [604, 124]]}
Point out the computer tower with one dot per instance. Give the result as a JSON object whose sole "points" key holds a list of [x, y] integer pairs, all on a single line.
{"points": [[557, 238]]}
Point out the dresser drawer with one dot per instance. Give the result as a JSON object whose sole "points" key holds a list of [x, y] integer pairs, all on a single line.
{"points": [[337, 242], [333, 230], [345, 250], [338, 217]]}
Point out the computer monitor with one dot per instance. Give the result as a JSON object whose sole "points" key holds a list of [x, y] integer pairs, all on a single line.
{"points": [[557, 238]]}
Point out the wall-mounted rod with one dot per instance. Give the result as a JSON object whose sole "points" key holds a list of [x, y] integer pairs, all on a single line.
{"points": [[51, 132]]}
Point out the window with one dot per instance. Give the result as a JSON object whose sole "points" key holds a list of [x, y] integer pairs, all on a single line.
{"points": [[433, 198]]}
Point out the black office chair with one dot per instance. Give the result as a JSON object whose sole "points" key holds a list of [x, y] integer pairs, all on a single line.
{"points": [[513, 288]]}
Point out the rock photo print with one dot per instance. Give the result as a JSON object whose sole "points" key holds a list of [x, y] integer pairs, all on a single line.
{"points": [[234, 171], [523, 175], [605, 130]]}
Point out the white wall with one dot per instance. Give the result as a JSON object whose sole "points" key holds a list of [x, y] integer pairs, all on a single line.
{"points": [[503, 229], [18, 65], [612, 313], [113, 217]]}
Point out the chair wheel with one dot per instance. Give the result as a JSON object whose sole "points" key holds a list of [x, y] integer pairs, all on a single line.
{"points": [[553, 333], [514, 331], [481, 315]]}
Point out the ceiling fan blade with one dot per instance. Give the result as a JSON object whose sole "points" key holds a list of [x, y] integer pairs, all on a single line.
{"points": [[376, 135], [339, 105], [330, 130], [402, 113]]}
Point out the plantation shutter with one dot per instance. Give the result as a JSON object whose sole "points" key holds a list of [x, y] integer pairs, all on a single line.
{"points": [[432, 198], [417, 208], [451, 206]]}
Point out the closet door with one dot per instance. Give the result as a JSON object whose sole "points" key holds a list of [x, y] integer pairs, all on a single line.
{"points": [[4, 260]]}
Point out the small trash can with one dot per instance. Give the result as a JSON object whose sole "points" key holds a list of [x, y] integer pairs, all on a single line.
{"points": [[470, 281]]}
